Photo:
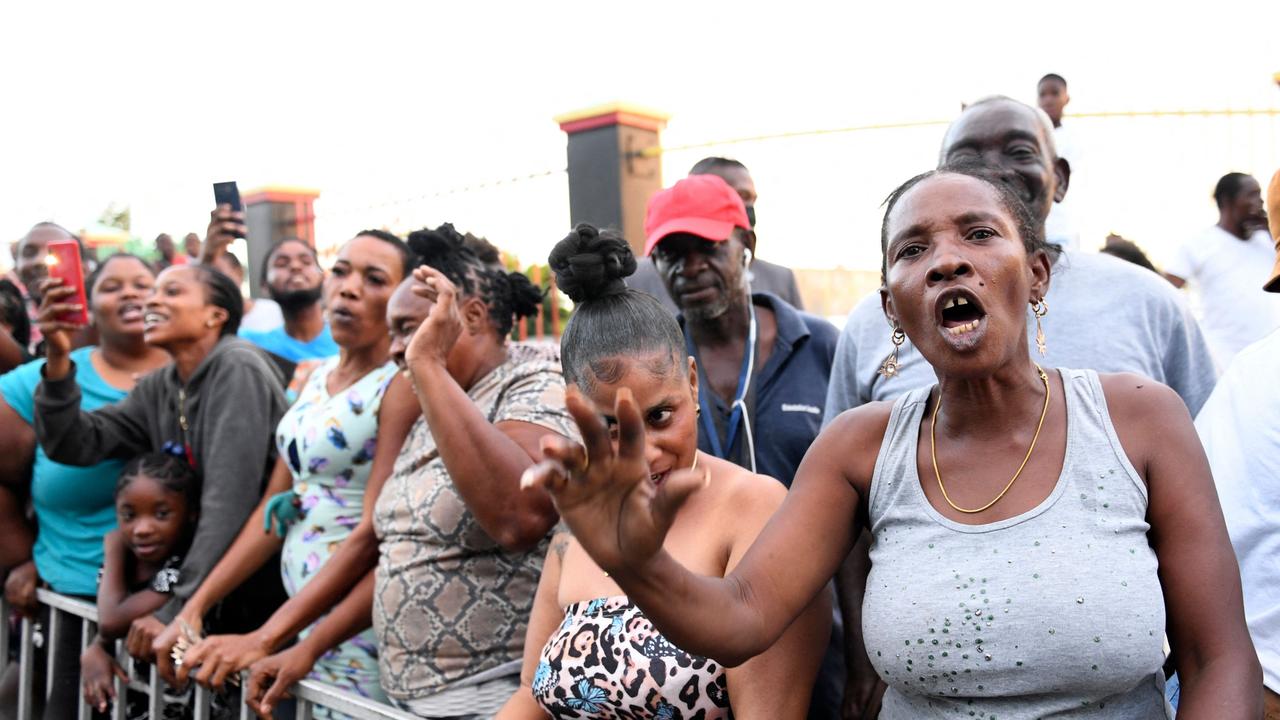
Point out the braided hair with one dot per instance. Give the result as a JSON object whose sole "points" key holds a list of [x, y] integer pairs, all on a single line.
{"points": [[223, 292], [508, 295], [170, 470]]}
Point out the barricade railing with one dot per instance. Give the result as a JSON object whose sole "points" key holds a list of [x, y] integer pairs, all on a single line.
{"points": [[66, 613]]}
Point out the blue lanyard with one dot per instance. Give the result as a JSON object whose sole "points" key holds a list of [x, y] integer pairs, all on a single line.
{"points": [[739, 406]]}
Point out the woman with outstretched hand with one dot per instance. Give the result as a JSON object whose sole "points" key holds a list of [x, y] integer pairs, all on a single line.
{"points": [[215, 405], [1035, 531], [588, 644]]}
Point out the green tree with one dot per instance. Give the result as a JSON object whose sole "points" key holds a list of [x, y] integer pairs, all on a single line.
{"points": [[116, 216]]}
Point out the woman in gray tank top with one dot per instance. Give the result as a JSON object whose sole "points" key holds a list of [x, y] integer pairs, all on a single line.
{"points": [[1036, 532]]}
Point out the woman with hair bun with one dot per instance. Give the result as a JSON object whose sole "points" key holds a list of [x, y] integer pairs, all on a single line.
{"points": [[590, 651]]}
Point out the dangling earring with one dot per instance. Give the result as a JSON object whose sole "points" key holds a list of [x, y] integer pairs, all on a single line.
{"points": [[889, 368], [1040, 308]]}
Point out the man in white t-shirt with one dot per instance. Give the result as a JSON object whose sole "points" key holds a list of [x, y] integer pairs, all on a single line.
{"points": [[1227, 265], [1240, 429]]}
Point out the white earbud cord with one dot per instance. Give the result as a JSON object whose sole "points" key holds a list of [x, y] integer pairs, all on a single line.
{"points": [[751, 365]]}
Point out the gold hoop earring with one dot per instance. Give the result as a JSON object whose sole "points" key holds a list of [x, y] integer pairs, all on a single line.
{"points": [[1040, 308], [889, 368]]}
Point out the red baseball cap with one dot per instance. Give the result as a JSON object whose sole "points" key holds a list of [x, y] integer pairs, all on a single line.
{"points": [[702, 205]]}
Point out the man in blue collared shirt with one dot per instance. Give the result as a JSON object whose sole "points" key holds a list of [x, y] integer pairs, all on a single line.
{"points": [[763, 366]]}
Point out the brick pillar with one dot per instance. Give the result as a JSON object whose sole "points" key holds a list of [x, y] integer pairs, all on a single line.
{"points": [[610, 182], [273, 214]]}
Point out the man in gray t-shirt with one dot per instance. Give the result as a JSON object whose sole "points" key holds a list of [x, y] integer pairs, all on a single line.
{"points": [[1104, 314]]}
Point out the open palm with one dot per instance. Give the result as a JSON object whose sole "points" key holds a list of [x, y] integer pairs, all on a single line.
{"points": [[604, 493]]}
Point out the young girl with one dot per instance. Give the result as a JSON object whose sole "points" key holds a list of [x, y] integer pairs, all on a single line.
{"points": [[157, 502]]}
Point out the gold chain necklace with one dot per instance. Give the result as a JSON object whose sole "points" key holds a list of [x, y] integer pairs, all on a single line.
{"points": [[933, 449]]}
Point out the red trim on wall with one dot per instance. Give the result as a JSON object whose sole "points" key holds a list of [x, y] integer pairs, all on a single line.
{"points": [[278, 195], [613, 118]]}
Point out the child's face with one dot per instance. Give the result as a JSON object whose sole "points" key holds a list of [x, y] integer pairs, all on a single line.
{"points": [[151, 518]]}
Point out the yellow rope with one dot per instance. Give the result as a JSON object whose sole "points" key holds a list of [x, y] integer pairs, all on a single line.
{"points": [[656, 151]]}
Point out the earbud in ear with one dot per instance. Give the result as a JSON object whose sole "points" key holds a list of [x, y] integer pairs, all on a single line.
{"points": [[747, 256]]}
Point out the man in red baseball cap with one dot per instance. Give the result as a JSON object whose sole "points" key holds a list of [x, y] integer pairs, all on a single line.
{"points": [[748, 345], [762, 365], [764, 275]]}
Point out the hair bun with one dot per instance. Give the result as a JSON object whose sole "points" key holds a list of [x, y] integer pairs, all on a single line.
{"points": [[590, 263], [526, 298], [434, 246]]}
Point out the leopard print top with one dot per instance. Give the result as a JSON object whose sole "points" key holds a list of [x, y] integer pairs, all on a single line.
{"points": [[606, 660]]}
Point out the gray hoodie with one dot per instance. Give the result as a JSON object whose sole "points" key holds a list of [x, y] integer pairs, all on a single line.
{"points": [[231, 406]]}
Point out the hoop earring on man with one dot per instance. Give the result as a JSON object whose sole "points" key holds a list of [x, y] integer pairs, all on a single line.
{"points": [[1040, 308], [889, 368]]}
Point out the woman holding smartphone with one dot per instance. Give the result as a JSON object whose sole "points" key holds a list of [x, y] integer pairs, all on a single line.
{"points": [[216, 404]]}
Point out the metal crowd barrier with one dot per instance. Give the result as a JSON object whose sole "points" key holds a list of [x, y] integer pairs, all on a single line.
{"points": [[64, 612]]}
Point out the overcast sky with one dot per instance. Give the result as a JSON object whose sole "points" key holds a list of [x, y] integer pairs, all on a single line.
{"points": [[376, 103]]}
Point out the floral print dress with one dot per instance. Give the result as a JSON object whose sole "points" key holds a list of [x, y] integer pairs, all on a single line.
{"points": [[328, 442]]}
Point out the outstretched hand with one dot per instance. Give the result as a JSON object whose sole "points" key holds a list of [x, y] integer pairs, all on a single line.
{"points": [[604, 493]]}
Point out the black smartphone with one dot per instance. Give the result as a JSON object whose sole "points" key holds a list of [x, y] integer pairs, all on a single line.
{"points": [[226, 193]]}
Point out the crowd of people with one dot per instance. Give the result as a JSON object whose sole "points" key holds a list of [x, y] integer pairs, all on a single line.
{"points": [[1024, 480]]}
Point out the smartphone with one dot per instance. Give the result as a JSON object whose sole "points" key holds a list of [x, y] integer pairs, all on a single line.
{"points": [[63, 260], [227, 193]]}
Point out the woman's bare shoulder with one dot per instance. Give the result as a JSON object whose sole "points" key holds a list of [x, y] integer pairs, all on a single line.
{"points": [[1137, 399]]}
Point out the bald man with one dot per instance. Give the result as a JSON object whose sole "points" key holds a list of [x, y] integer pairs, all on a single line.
{"points": [[1104, 314]]}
